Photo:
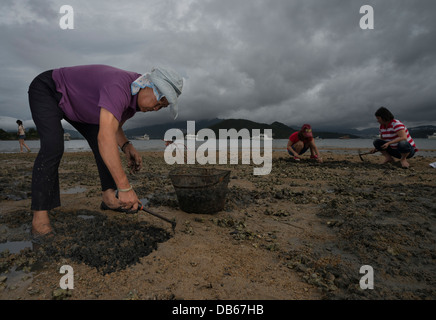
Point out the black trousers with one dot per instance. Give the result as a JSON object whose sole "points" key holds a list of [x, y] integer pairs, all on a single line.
{"points": [[44, 105], [403, 147]]}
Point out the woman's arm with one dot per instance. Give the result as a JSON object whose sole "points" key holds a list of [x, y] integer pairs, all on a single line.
{"points": [[401, 136], [134, 160], [108, 138], [121, 137], [291, 150], [315, 148]]}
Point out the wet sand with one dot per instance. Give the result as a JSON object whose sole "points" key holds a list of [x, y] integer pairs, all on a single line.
{"points": [[301, 232]]}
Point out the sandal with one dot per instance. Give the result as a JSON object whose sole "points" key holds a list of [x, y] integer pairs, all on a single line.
{"points": [[104, 206]]}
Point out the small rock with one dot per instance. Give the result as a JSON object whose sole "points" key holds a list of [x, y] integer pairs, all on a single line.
{"points": [[32, 291], [61, 294], [132, 295]]}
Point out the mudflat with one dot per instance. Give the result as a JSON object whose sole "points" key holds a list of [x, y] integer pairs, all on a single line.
{"points": [[304, 231]]}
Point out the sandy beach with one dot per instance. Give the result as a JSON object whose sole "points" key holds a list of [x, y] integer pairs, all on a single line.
{"points": [[302, 232]]}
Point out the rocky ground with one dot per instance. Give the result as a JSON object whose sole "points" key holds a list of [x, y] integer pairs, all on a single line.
{"points": [[302, 232]]}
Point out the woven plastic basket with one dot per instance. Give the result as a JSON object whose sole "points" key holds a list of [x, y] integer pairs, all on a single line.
{"points": [[200, 190]]}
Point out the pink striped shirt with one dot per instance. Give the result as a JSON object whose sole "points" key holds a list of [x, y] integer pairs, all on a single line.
{"points": [[389, 133]]}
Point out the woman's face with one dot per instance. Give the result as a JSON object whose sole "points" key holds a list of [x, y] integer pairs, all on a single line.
{"points": [[380, 121], [147, 101]]}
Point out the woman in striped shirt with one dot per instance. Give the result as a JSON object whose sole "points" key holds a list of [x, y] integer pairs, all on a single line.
{"points": [[395, 140]]}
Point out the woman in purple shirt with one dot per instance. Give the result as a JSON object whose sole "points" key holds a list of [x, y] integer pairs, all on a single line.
{"points": [[96, 100]]}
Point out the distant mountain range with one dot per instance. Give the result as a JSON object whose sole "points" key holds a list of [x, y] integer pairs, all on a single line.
{"points": [[158, 131], [279, 130], [422, 131]]}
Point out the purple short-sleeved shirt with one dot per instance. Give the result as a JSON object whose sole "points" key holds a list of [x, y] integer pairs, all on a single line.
{"points": [[86, 89]]}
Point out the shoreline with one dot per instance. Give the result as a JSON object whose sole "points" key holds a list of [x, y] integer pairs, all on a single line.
{"points": [[427, 148], [276, 152]]}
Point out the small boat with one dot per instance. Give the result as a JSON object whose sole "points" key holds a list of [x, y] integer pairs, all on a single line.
{"points": [[262, 137], [144, 137], [67, 136], [433, 136]]}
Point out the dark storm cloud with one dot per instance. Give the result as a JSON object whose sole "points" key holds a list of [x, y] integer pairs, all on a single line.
{"points": [[288, 61]]}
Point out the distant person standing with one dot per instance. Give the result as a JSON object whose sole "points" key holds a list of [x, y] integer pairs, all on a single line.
{"points": [[300, 141], [395, 140], [21, 136]]}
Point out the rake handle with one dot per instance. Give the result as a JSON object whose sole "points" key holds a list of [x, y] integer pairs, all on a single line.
{"points": [[173, 223]]}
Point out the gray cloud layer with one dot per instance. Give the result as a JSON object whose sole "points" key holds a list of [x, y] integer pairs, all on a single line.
{"points": [[282, 60]]}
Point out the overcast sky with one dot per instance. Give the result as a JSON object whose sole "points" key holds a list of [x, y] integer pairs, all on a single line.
{"points": [[292, 61]]}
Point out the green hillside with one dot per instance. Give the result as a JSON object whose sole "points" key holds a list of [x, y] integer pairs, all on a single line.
{"points": [[279, 130]]}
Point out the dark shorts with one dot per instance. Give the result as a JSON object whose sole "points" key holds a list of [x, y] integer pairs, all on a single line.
{"points": [[21, 137]]}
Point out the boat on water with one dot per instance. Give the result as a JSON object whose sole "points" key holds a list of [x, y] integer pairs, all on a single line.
{"points": [[67, 136], [144, 137], [433, 136], [262, 136], [193, 137]]}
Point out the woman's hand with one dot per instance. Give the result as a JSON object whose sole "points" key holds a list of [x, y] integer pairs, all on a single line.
{"points": [[134, 159], [385, 146], [128, 200]]}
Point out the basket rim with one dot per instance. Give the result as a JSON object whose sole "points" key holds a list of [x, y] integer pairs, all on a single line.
{"points": [[219, 172]]}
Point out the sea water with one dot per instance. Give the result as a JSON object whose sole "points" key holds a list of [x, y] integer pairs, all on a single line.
{"points": [[427, 147]]}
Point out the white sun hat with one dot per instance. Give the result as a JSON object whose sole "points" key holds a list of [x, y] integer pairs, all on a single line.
{"points": [[170, 84], [165, 83]]}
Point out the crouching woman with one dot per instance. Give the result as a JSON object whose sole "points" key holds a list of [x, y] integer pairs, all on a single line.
{"points": [[300, 141], [395, 140]]}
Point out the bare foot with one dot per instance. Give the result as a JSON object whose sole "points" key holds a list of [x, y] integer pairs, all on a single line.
{"points": [[387, 160], [41, 223], [404, 163]]}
